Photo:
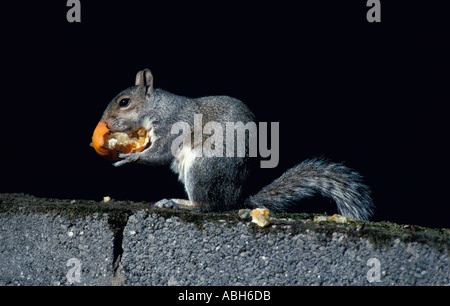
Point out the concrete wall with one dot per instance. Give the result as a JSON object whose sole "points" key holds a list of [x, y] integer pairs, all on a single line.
{"points": [[63, 242]]}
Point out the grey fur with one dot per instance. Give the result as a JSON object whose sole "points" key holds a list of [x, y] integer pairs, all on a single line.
{"points": [[221, 183], [312, 176]]}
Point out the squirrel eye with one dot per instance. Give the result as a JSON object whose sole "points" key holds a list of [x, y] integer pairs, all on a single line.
{"points": [[124, 102]]}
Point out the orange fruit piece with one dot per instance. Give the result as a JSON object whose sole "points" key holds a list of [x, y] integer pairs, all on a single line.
{"points": [[99, 141], [108, 145]]}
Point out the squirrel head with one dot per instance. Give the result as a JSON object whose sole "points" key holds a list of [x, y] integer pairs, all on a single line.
{"points": [[126, 111], [121, 127]]}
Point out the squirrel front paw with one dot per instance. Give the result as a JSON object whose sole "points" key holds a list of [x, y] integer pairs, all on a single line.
{"points": [[127, 158]]}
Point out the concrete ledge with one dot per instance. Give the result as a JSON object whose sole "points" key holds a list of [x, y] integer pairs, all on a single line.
{"points": [[47, 241], [124, 243]]}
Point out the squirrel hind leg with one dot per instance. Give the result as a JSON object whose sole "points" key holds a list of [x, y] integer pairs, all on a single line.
{"points": [[181, 204], [175, 204]]}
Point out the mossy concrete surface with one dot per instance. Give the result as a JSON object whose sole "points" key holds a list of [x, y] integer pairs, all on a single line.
{"points": [[85, 242]]}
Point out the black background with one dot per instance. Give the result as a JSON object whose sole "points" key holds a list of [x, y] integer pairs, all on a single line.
{"points": [[369, 94]]}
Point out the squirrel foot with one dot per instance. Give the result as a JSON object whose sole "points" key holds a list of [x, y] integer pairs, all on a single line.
{"points": [[334, 218], [175, 204]]}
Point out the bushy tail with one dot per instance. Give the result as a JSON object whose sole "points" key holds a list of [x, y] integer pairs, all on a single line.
{"points": [[333, 180]]}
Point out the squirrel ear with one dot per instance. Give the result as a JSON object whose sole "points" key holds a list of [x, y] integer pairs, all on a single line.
{"points": [[144, 79]]}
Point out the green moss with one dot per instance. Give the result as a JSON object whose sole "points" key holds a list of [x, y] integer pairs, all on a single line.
{"points": [[379, 234], [117, 212], [198, 219]]}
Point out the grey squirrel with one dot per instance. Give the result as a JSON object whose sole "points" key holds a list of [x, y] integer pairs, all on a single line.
{"points": [[222, 183]]}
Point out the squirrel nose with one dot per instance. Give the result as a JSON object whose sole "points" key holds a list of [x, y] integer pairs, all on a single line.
{"points": [[98, 142]]}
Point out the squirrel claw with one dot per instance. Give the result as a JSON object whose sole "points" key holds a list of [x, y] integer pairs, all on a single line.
{"points": [[120, 163], [126, 158]]}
